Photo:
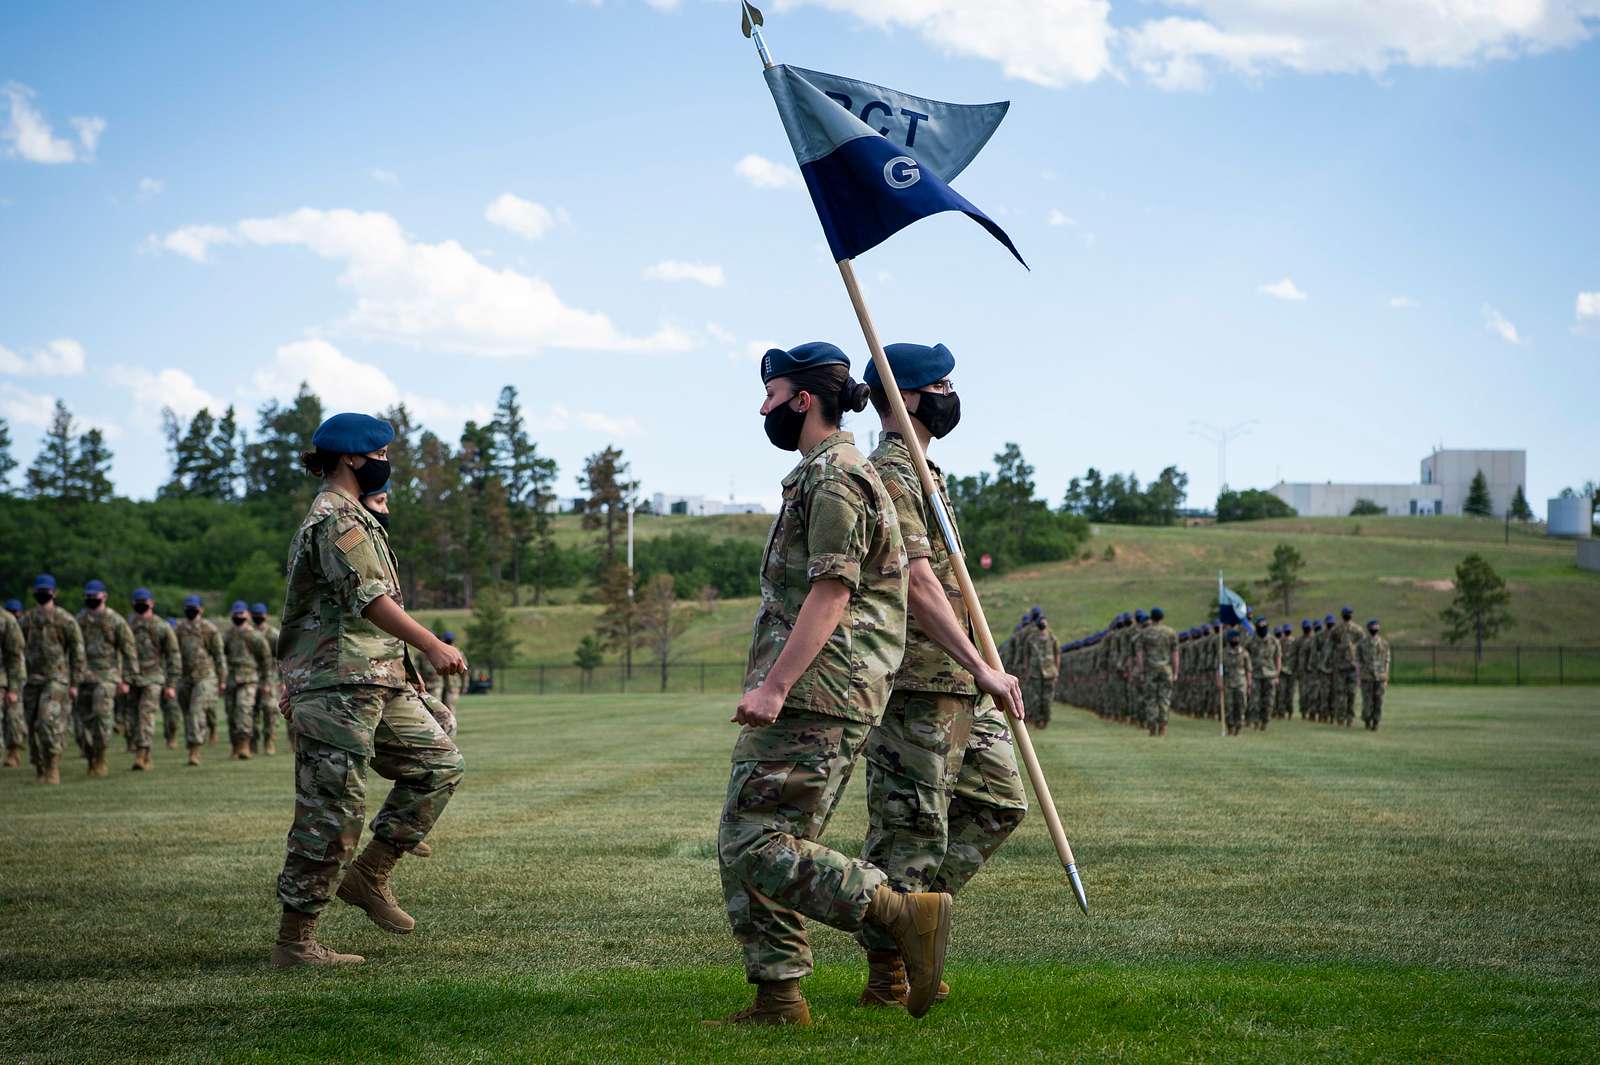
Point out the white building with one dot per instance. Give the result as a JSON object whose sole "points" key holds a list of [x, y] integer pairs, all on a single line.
{"points": [[1445, 480], [662, 503]]}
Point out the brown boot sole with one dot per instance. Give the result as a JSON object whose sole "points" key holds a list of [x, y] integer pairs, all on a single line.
{"points": [[799, 1017], [352, 895], [882, 1000]]}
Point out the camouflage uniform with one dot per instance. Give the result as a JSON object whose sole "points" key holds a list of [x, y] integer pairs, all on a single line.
{"points": [[920, 754], [1286, 671], [205, 669], [109, 658], [13, 679], [1038, 667], [264, 723], [1375, 662], [249, 659], [352, 695], [54, 652], [1344, 658], [158, 665], [1156, 645], [1236, 683], [837, 523], [1266, 655]]}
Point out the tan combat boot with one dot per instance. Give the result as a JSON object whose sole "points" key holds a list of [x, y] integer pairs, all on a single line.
{"points": [[777, 1002], [244, 751], [297, 944], [366, 887], [920, 925], [270, 748], [886, 980], [141, 759], [422, 850], [172, 743], [52, 770], [194, 754], [13, 758]]}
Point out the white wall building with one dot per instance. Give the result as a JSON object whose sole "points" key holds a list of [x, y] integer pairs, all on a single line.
{"points": [[662, 503], [1446, 477]]}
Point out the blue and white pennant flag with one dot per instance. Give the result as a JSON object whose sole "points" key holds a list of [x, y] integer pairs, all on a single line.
{"points": [[875, 159]]}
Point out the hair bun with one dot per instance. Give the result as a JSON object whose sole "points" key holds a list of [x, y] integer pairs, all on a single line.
{"points": [[854, 396]]}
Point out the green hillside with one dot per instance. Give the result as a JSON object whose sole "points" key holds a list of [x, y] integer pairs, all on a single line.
{"points": [[1397, 569]]}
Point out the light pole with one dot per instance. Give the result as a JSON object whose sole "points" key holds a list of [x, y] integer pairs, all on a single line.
{"points": [[1221, 437]]}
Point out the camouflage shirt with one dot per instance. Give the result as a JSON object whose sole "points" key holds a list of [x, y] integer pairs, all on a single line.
{"points": [[13, 658], [1291, 650], [1375, 657], [53, 646], [1156, 643], [1265, 653], [159, 662], [249, 657], [339, 564], [1346, 640], [200, 646], [1236, 668], [109, 655], [837, 523], [1041, 653], [926, 667]]}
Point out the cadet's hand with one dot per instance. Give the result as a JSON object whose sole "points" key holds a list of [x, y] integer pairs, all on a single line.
{"points": [[122, 689], [1005, 688], [11, 698], [758, 708], [169, 693], [72, 692], [446, 659], [222, 689], [284, 708]]}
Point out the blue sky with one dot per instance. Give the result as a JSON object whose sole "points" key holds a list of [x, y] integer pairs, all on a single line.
{"points": [[1370, 227]]}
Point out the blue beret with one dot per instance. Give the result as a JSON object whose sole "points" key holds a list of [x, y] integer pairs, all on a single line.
{"points": [[1372, 624], [44, 580], [240, 607], [94, 588], [1157, 613], [141, 595], [914, 365], [14, 605], [779, 363], [1305, 623], [1140, 615], [191, 600], [352, 434], [377, 491], [259, 608], [1328, 620], [1346, 611], [447, 636]]}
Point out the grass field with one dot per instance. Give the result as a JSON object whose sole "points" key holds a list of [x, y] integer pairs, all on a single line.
{"points": [[1428, 893]]}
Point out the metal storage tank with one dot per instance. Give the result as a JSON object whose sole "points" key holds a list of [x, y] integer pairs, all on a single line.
{"points": [[1570, 517]]}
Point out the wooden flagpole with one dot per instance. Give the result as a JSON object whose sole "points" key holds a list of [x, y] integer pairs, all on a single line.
{"points": [[1222, 692]]}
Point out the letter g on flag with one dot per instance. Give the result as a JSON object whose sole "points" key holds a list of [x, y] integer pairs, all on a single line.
{"points": [[901, 172]]}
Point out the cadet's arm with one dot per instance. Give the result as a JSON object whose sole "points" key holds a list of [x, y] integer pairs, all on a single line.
{"points": [[391, 617], [819, 616], [931, 607]]}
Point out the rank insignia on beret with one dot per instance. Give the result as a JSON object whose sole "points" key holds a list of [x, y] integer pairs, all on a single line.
{"points": [[351, 538]]}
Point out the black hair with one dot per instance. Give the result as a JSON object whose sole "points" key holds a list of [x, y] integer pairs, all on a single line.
{"points": [[835, 390], [319, 463]]}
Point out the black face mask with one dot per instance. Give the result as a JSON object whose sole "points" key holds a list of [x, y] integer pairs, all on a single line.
{"points": [[939, 413], [373, 475], [141, 608], [42, 597], [92, 602], [259, 619], [191, 612], [783, 425], [238, 621], [380, 517]]}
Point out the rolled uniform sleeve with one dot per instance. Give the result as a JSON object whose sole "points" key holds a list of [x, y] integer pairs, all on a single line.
{"points": [[349, 560], [836, 535]]}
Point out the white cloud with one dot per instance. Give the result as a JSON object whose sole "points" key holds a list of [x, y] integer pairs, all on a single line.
{"points": [[150, 188], [1588, 306], [1403, 303], [152, 390], [755, 349], [21, 407], [663, 5], [439, 296], [1253, 37], [708, 274], [384, 177], [763, 173], [32, 138], [522, 217], [1053, 44], [1282, 290], [59, 358], [719, 334], [191, 242], [345, 383], [1058, 218], [1497, 324]]}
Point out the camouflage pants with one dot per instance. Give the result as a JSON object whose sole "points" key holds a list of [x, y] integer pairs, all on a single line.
{"points": [[14, 721], [171, 717], [46, 708], [1155, 697], [241, 709], [94, 713], [1237, 698], [143, 701], [1372, 692], [199, 701], [1263, 694], [264, 718], [1285, 707], [786, 781], [340, 733], [1036, 699], [1344, 695]]}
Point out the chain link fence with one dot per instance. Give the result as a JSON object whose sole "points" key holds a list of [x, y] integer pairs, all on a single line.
{"points": [[1413, 664]]}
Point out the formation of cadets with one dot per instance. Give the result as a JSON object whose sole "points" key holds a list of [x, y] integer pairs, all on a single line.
{"points": [[1138, 669], [102, 674]]}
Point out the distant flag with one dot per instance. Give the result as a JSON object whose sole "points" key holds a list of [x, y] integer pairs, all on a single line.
{"points": [[876, 159], [1230, 607]]}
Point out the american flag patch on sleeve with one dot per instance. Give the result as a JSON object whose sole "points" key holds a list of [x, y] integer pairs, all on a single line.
{"points": [[350, 539]]}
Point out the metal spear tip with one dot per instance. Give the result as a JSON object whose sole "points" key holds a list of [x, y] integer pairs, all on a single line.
{"points": [[749, 17], [1077, 887]]}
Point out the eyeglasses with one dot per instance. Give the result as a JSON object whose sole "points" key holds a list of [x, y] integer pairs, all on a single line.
{"points": [[943, 388]]}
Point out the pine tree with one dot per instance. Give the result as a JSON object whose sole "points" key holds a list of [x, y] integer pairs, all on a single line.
{"points": [[491, 636], [190, 449], [7, 463], [529, 480], [51, 475], [617, 620], [91, 468], [610, 494], [272, 460], [1478, 502], [588, 657], [433, 531], [1283, 575], [1520, 511], [1481, 605], [488, 529]]}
